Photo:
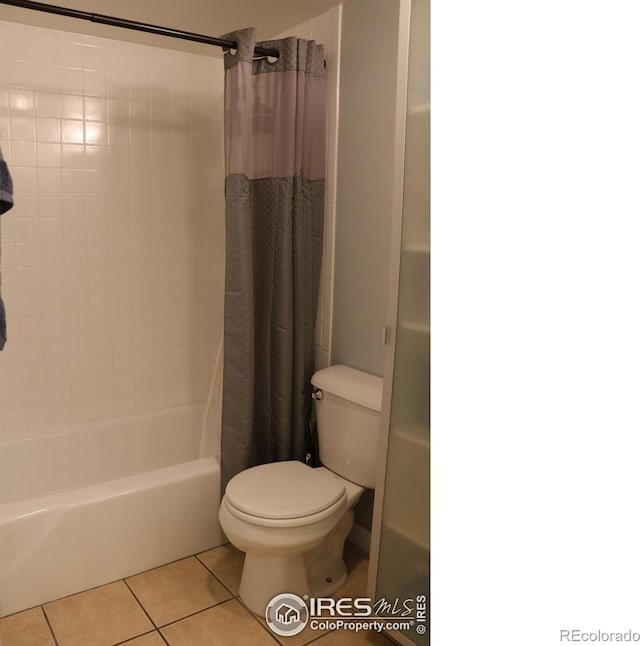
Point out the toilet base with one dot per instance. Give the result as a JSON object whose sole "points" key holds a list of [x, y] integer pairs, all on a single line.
{"points": [[329, 578], [318, 572], [326, 569], [266, 575]]}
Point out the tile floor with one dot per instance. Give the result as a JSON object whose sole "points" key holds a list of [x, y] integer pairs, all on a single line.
{"points": [[192, 602]]}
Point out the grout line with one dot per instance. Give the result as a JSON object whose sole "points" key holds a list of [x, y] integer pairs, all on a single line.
{"points": [[103, 585], [153, 623], [124, 580], [66, 596], [156, 628], [197, 612], [136, 637], [46, 618], [212, 573], [157, 567], [208, 571], [257, 620]]}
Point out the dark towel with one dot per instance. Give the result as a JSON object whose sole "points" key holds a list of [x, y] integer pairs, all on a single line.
{"points": [[6, 202]]}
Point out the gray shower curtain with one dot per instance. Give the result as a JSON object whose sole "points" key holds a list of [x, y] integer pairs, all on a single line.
{"points": [[274, 193]]}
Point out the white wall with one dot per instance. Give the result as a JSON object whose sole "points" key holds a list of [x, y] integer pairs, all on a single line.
{"points": [[113, 257], [365, 182], [200, 16]]}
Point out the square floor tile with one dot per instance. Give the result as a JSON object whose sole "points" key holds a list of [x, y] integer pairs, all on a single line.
{"points": [[176, 590], [226, 563], [101, 617], [28, 628], [227, 624]]}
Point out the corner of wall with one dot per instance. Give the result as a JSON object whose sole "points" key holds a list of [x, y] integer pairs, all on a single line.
{"points": [[326, 29]]}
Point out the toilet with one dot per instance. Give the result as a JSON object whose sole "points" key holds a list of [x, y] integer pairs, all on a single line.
{"points": [[292, 520]]}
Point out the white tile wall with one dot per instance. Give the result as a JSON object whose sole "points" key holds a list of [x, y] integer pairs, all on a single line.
{"points": [[113, 257]]}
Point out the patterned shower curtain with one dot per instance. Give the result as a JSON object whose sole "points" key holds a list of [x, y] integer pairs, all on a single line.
{"points": [[274, 192]]}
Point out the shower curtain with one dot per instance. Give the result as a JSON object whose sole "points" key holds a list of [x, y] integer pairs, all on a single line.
{"points": [[274, 193]]}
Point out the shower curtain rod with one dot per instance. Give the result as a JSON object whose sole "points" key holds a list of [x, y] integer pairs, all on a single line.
{"points": [[133, 24]]}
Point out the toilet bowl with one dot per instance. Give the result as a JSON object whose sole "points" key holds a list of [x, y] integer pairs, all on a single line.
{"points": [[292, 520]]}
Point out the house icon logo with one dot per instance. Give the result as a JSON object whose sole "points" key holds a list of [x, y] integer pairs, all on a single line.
{"points": [[287, 614]]}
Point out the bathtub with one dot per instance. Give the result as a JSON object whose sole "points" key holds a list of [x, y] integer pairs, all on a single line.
{"points": [[97, 502]]}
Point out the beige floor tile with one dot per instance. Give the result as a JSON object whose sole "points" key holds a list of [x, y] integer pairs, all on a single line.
{"points": [[357, 566], [28, 628], [100, 617], [352, 638], [304, 637], [150, 639], [226, 563], [228, 624], [174, 591]]}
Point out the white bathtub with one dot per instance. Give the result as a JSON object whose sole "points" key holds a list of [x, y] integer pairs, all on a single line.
{"points": [[100, 501]]}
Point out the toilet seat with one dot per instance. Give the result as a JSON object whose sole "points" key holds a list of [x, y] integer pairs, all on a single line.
{"points": [[284, 494]]}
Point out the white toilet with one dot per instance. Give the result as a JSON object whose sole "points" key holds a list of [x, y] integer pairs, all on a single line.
{"points": [[292, 520]]}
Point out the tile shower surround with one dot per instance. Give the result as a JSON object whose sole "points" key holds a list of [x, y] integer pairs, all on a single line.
{"points": [[113, 257]]}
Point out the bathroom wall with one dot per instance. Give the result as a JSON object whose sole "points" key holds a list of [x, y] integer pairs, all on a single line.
{"points": [[326, 29], [199, 16], [113, 257], [364, 196], [365, 182]]}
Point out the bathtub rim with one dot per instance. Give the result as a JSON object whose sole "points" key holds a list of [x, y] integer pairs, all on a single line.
{"points": [[88, 494], [96, 424]]}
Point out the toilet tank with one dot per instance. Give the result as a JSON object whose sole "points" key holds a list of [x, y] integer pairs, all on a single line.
{"points": [[348, 405]]}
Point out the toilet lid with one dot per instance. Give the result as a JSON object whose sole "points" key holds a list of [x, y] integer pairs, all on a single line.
{"points": [[283, 490]]}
